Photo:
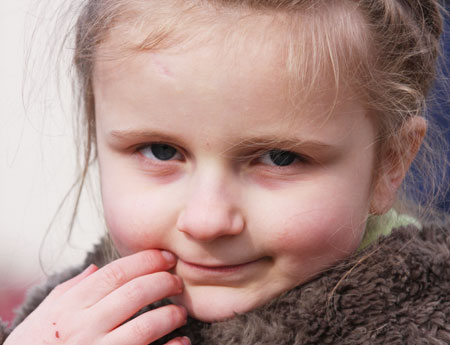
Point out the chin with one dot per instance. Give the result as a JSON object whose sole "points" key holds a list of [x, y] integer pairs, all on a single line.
{"points": [[210, 304]]}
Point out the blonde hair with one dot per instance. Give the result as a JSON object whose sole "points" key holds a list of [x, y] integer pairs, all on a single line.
{"points": [[386, 50]]}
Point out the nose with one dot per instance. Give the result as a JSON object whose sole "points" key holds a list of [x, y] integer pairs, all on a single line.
{"points": [[211, 211]]}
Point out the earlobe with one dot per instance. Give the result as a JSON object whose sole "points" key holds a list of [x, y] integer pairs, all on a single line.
{"points": [[395, 164]]}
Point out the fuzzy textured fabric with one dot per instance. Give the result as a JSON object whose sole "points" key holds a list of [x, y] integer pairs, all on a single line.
{"points": [[396, 291]]}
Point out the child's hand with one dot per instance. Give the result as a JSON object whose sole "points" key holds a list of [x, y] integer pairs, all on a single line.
{"points": [[92, 307]]}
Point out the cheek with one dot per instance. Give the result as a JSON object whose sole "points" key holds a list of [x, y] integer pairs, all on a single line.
{"points": [[122, 220], [319, 234], [137, 218], [310, 238]]}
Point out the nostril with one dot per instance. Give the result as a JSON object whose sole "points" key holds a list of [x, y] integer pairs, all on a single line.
{"points": [[238, 223], [210, 224], [180, 222]]}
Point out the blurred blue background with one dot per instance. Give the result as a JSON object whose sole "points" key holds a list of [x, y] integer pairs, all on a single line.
{"points": [[440, 111]]}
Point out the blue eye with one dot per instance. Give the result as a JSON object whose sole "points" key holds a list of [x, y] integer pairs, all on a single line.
{"points": [[160, 151], [279, 158]]}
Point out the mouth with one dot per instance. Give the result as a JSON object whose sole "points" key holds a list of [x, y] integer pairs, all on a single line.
{"points": [[218, 268], [222, 269]]}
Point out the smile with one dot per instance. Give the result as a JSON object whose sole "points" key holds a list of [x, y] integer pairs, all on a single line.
{"points": [[213, 274], [218, 268]]}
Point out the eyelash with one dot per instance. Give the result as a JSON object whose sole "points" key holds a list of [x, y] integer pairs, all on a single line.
{"points": [[287, 156], [165, 146], [283, 156]]}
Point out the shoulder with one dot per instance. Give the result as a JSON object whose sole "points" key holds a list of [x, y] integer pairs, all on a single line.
{"points": [[396, 291]]}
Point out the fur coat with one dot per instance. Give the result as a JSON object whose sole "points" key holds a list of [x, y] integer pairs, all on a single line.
{"points": [[396, 291]]}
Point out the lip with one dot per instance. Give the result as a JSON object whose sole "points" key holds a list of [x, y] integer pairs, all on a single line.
{"points": [[218, 268], [214, 271]]}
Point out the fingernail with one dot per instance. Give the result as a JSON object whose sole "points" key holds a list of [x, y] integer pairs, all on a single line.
{"points": [[185, 341], [184, 311], [168, 256], [180, 281]]}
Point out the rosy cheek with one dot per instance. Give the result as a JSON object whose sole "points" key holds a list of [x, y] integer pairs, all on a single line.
{"points": [[119, 228], [139, 220], [319, 236], [127, 218]]}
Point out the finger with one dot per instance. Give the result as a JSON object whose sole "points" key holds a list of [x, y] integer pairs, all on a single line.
{"points": [[119, 272], [179, 341], [127, 300], [148, 327], [68, 284]]}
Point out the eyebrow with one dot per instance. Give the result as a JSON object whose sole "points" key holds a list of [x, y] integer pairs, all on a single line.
{"points": [[252, 142], [285, 143], [125, 135]]}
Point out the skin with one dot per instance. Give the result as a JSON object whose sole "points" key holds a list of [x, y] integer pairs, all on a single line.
{"points": [[243, 230], [98, 301], [219, 227]]}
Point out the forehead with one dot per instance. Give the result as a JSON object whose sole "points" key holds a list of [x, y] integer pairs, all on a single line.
{"points": [[313, 45], [269, 61], [222, 97], [251, 61]]}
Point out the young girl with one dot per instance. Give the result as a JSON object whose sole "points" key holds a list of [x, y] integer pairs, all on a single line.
{"points": [[250, 154]]}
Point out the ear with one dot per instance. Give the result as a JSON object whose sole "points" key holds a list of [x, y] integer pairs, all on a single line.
{"points": [[395, 164]]}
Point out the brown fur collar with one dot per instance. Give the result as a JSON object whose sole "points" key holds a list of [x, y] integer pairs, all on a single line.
{"points": [[397, 291]]}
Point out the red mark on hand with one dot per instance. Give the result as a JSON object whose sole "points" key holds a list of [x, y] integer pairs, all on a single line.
{"points": [[57, 334]]}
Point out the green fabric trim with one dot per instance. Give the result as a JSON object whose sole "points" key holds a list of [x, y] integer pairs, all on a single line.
{"points": [[383, 225]]}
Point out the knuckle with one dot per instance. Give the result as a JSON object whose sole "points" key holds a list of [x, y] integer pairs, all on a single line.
{"points": [[114, 275], [134, 293], [142, 330]]}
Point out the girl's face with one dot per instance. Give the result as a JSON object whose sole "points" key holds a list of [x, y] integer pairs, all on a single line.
{"points": [[203, 153]]}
